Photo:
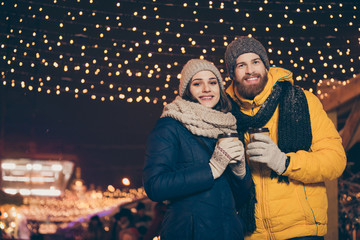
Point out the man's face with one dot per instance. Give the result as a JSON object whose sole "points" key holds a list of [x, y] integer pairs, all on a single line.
{"points": [[250, 75]]}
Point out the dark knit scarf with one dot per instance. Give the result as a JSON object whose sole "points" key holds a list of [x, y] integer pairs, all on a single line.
{"points": [[294, 130]]}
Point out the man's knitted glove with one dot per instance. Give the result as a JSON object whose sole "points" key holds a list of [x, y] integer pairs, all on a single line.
{"points": [[225, 151], [263, 150]]}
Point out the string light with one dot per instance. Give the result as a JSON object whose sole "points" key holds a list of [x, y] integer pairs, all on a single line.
{"points": [[101, 44]]}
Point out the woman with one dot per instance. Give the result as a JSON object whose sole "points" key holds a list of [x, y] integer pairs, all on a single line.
{"points": [[188, 167]]}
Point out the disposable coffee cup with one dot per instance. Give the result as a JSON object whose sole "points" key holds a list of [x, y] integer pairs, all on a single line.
{"points": [[223, 136], [252, 131]]}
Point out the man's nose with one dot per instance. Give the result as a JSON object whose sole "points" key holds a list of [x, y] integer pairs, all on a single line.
{"points": [[249, 69]]}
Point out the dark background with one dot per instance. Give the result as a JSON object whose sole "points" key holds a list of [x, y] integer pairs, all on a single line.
{"points": [[108, 138], [76, 50]]}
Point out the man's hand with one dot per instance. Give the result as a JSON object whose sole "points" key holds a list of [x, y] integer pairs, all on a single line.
{"points": [[263, 150]]}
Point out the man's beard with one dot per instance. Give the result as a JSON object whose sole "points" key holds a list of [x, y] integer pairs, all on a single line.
{"points": [[250, 92]]}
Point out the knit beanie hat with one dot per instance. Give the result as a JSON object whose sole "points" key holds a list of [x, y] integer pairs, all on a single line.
{"points": [[243, 45], [194, 66]]}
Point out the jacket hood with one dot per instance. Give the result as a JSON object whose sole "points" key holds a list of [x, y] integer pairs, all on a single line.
{"points": [[275, 74]]}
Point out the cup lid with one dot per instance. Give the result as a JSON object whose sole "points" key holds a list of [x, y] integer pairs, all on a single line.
{"points": [[226, 135], [258, 130]]}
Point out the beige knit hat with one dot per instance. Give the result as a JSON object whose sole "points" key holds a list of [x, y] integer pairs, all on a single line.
{"points": [[194, 66]]}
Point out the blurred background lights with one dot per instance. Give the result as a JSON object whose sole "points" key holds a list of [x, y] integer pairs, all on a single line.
{"points": [[125, 181]]}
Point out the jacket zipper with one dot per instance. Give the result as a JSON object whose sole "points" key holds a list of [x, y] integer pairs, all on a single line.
{"points": [[262, 205], [316, 223], [252, 108], [265, 217]]}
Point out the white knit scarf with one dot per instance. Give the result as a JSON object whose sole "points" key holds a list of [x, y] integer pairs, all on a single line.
{"points": [[200, 120]]}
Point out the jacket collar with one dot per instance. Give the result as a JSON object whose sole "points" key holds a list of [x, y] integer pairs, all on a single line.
{"points": [[275, 74]]}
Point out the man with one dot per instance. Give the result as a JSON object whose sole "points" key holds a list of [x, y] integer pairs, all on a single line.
{"points": [[290, 166]]}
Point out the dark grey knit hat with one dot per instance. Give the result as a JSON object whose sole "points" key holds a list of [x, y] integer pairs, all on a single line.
{"points": [[194, 66], [241, 45]]}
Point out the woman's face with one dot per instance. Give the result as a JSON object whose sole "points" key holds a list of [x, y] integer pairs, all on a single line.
{"points": [[204, 87]]}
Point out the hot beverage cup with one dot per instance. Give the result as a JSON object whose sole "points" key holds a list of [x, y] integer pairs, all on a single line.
{"points": [[252, 131], [223, 136]]}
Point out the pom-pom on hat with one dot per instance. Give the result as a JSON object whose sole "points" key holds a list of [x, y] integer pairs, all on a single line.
{"points": [[194, 66], [243, 45]]}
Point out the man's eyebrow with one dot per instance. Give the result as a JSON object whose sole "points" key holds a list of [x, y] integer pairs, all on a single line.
{"points": [[250, 60]]}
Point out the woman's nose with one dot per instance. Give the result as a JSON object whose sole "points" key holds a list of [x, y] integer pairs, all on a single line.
{"points": [[206, 88]]}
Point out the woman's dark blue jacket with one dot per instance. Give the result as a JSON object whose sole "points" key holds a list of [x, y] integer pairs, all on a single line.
{"points": [[177, 169]]}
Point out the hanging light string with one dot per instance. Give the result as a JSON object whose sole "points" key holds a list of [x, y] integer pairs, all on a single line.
{"points": [[134, 51]]}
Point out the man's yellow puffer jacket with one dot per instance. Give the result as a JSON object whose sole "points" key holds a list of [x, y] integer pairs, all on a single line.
{"points": [[299, 208]]}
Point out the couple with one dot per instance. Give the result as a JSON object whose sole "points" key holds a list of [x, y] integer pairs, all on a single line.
{"points": [[216, 190]]}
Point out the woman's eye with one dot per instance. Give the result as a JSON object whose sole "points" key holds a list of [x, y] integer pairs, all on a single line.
{"points": [[213, 82]]}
